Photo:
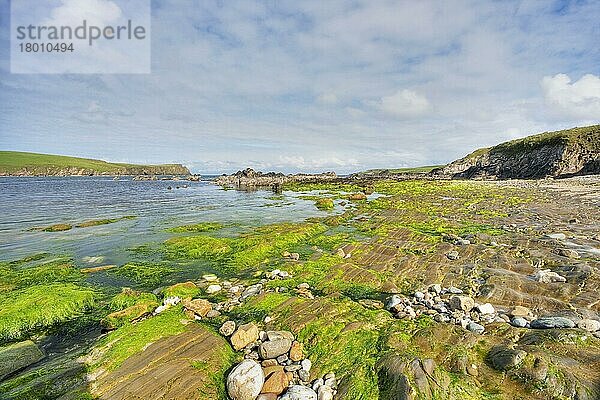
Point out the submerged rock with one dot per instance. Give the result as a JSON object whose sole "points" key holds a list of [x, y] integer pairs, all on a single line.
{"points": [[245, 381]]}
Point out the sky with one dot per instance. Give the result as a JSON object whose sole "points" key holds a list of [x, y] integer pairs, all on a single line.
{"points": [[313, 85]]}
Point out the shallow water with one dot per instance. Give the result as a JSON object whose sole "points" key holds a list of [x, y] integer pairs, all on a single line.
{"points": [[33, 202]]}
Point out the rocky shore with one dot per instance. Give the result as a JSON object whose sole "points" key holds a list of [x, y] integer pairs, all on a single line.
{"points": [[249, 178]]}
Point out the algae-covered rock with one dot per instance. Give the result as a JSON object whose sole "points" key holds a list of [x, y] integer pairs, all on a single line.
{"points": [[393, 383], [17, 356], [504, 358], [129, 314]]}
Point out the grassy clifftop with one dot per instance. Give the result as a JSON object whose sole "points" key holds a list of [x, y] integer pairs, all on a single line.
{"points": [[23, 164]]}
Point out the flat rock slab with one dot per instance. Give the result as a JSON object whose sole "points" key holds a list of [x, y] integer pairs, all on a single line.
{"points": [[17, 356], [165, 371]]}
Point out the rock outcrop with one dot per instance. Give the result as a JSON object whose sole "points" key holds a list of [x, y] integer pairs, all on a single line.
{"points": [[551, 154], [250, 179]]}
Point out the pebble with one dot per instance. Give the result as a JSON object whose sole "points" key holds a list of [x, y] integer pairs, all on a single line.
{"points": [[212, 289], [557, 236], [552, 322], [519, 322], [210, 277], [453, 255], [486, 308], [227, 328], [476, 328]]}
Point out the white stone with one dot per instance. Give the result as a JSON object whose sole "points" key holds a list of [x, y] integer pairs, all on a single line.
{"points": [[547, 276], [171, 301], [245, 381], [558, 236], [297, 392], [306, 364], [486, 308], [210, 277], [590, 325], [325, 393], [212, 289]]}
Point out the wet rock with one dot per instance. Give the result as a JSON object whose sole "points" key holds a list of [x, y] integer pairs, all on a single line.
{"points": [[548, 276], [227, 328], [463, 303], [503, 358], [252, 290], [552, 322], [245, 334], [454, 290], [393, 383], [199, 307], [274, 348], [17, 356], [245, 381], [590, 325], [519, 322], [298, 392]]}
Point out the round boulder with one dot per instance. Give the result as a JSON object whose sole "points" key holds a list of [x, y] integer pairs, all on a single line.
{"points": [[245, 381]]}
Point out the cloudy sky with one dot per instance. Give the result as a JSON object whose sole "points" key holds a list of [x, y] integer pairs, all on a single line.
{"points": [[318, 85]]}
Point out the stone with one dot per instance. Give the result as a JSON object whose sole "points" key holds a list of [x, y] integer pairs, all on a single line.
{"points": [[294, 256], [212, 289], [393, 302], [298, 392], [463, 303], [324, 393], [341, 253], [453, 255], [227, 328], [274, 335], [306, 364], [296, 351], [503, 358], [590, 325], [520, 311], [552, 323], [274, 348], [304, 375], [199, 307], [357, 196], [213, 314], [435, 288], [267, 396], [454, 290], [245, 381], [547, 276], [475, 328], [268, 363], [519, 322], [18, 356], [419, 295], [276, 383], [210, 277], [569, 253], [245, 334], [304, 285], [486, 308], [472, 370], [557, 236]]}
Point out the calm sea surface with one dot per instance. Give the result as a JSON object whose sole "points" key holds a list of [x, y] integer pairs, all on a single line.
{"points": [[31, 202]]}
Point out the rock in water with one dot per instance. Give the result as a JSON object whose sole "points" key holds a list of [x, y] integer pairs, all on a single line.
{"points": [[17, 356], [552, 322], [297, 392], [245, 381], [245, 335]]}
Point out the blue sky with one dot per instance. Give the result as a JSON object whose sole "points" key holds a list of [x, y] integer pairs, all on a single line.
{"points": [[318, 85]]}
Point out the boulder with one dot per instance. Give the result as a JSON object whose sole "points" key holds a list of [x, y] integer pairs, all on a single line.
{"points": [[245, 381], [518, 322], [17, 356], [520, 311], [503, 358], [475, 328], [463, 303], [212, 289], [552, 323], [569, 253], [199, 307], [274, 348], [274, 335], [245, 334], [547, 276], [486, 308], [297, 392], [325, 393], [296, 351]]}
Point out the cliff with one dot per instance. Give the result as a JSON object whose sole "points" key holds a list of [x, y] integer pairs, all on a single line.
{"points": [[551, 154], [14, 163]]}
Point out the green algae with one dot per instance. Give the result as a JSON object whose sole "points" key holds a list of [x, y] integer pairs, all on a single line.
{"points": [[183, 290], [129, 297], [144, 274], [18, 274], [105, 221], [324, 203], [25, 310], [199, 227], [131, 339]]}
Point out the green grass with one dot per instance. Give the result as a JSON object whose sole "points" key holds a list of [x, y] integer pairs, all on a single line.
{"points": [[13, 161], [41, 306]]}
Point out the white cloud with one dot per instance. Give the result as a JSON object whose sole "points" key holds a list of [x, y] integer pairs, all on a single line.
{"points": [[96, 12], [580, 99], [404, 103]]}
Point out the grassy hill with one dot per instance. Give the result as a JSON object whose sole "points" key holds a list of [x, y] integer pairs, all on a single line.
{"points": [[20, 163]]}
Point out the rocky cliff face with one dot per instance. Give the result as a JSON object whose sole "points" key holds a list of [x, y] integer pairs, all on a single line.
{"points": [[552, 154], [251, 178]]}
